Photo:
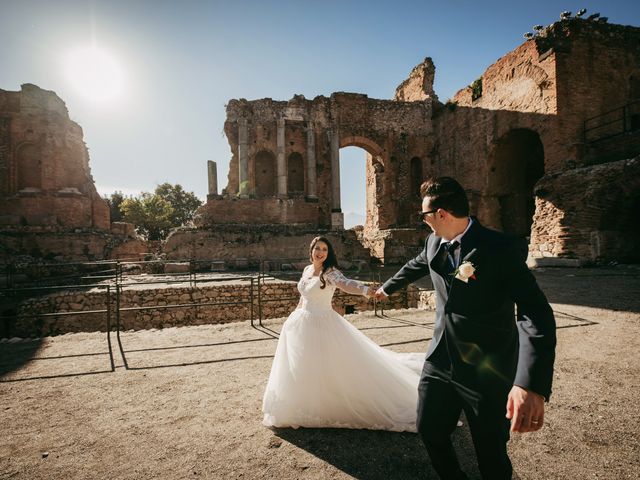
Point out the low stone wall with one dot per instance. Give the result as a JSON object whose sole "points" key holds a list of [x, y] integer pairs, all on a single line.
{"points": [[174, 306]]}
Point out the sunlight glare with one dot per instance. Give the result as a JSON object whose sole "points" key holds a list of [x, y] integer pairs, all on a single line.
{"points": [[95, 74]]}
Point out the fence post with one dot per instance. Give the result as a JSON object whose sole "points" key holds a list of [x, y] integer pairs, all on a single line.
{"points": [[251, 298], [108, 310], [260, 294], [118, 287]]}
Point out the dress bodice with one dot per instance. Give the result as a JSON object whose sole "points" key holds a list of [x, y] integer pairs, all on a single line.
{"points": [[314, 297]]}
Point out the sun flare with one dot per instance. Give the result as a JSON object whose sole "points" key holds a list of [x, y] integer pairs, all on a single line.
{"points": [[95, 74]]}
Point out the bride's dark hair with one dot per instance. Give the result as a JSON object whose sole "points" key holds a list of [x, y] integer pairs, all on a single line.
{"points": [[330, 262]]}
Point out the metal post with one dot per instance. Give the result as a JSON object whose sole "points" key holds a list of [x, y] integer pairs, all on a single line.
{"points": [[259, 299], [108, 309], [118, 289], [251, 298]]}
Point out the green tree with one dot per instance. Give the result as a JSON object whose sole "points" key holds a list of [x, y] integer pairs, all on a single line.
{"points": [[184, 203], [155, 214], [114, 200], [151, 214]]}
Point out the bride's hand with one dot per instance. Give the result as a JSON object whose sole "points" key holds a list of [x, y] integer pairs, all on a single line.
{"points": [[371, 291]]}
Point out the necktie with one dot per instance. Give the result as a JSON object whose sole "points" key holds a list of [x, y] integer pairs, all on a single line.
{"points": [[450, 262]]}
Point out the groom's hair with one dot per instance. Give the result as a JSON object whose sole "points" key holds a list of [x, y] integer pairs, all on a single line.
{"points": [[446, 193]]}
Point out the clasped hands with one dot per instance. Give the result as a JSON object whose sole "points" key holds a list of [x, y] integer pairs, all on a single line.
{"points": [[376, 292]]}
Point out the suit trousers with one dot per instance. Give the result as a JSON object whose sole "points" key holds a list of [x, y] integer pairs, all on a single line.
{"points": [[439, 406]]}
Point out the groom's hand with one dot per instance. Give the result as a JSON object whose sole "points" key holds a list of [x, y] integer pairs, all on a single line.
{"points": [[525, 409], [380, 295]]}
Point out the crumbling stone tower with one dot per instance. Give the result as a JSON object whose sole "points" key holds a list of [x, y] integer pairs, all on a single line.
{"points": [[49, 206]]}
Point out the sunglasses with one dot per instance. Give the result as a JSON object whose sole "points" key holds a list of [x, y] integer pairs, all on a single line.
{"points": [[421, 215]]}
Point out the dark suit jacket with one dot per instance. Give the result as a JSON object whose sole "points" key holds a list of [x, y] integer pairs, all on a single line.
{"points": [[476, 320]]}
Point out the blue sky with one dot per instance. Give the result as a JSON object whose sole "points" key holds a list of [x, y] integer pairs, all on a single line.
{"points": [[182, 61]]}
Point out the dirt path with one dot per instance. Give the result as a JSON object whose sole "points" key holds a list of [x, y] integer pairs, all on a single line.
{"points": [[188, 406]]}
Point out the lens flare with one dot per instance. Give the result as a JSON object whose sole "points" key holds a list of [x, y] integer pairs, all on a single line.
{"points": [[95, 74]]}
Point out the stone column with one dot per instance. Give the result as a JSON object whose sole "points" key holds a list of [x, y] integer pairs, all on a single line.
{"points": [[243, 159], [311, 163], [212, 171], [337, 218], [281, 172]]}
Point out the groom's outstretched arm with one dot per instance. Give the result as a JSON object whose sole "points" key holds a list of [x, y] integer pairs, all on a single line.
{"points": [[536, 327], [413, 270]]}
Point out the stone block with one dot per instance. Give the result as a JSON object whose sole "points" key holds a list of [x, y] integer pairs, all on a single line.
{"points": [[556, 262], [177, 267]]}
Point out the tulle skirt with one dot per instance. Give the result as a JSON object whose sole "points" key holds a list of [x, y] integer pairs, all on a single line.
{"points": [[326, 373]]}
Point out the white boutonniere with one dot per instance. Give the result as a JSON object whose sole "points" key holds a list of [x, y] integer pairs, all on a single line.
{"points": [[465, 271]]}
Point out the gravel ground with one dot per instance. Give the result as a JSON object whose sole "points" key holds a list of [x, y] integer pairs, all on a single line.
{"points": [[185, 402]]}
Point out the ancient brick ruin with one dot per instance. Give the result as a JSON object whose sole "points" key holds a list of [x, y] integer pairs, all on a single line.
{"points": [[285, 165], [544, 141], [524, 140], [49, 206]]}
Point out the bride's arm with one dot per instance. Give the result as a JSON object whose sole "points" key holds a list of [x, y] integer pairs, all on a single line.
{"points": [[348, 285]]}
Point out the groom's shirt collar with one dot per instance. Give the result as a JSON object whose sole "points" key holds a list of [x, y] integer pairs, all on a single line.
{"points": [[458, 239]]}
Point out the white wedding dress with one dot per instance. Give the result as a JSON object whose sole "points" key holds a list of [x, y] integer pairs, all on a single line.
{"points": [[326, 373]]}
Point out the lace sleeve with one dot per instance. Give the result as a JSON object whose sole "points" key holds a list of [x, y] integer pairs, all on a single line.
{"points": [[354, 287]]}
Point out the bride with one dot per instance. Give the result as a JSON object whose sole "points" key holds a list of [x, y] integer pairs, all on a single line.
{"points": [[326, 373]]}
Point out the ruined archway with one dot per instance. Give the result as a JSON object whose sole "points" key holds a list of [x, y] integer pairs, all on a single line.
{"points": [[295, 174], [516, 164], [374, 168], [353, 181], [265, 174]]}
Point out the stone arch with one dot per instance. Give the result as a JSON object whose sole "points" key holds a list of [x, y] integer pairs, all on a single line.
{"points": [[363, 142], [29, 166], [295, 174], [515, 165], [265, 174], [378, 212]]}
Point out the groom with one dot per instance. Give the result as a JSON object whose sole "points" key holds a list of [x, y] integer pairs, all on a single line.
{"points": [[478, 360]]}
